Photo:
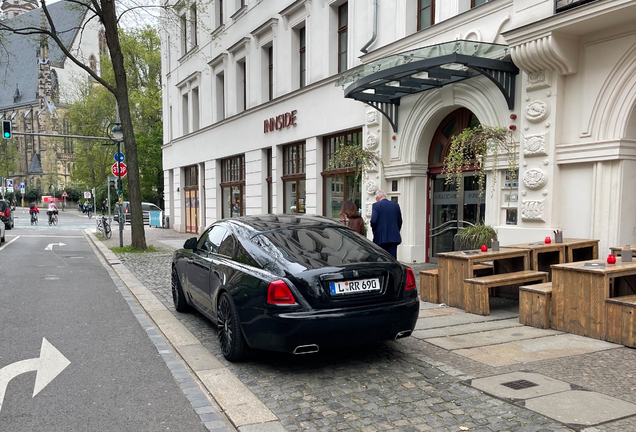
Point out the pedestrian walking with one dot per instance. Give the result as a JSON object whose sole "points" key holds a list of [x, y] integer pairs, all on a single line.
{"points": [[103, 207], [79, 207], [386, 222], [350, 217]]}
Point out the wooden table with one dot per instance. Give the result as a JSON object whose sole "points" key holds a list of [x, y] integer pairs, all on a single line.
{"points": [[580, 249], [616, 250], [543, 255], [454, 267], [579, 293]]}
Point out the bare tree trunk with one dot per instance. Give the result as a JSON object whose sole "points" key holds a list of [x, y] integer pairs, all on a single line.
{"points": [[121, 95]]}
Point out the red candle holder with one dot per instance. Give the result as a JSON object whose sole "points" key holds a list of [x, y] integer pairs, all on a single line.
{"points": [[611, 259], [548, 240], [484, 248]]}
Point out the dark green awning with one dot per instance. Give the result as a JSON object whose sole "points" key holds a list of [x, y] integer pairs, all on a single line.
{"points": [[382, 83]]}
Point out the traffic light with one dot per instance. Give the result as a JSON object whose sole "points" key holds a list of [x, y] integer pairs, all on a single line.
{"points": [[6, 129]]}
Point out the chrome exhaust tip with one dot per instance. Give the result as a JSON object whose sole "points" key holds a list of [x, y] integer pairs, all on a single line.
{"points": [[403, 334], [306, 349]]}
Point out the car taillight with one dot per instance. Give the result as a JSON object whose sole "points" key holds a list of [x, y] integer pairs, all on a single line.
{"points": [[3, 214], [279, 293], [410, 279]]}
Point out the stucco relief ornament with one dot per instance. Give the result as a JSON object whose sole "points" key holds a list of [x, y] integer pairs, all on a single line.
{"points": [[532, 210], [537, 111], [372, 117], [538, 80], [535, 178], [371, 187], [534, 145], [372, 141], [368, 210]]}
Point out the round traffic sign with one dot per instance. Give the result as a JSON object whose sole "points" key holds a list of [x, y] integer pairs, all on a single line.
{"points": [[119, 157], [122, 167]]}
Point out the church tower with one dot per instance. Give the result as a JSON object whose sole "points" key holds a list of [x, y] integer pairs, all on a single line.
{"points": [[13, 8]]}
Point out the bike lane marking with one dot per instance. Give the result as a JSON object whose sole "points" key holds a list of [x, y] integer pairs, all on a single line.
{"points": [[9, 242]]}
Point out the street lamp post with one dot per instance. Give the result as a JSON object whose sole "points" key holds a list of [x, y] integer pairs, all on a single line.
{"points": [[116, 134]]}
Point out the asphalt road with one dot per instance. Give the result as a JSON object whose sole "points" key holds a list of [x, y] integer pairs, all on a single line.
{"points": [[109, 376]]}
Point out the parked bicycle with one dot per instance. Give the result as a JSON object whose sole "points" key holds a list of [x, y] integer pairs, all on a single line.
{"points": [[103, 225]]}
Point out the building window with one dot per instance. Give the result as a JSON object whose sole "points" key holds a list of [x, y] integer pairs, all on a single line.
{"points": [[184, 34], [193, 24], [103, 46], [220, 96], [270, 73], [294, 177], [185, 118], [342, 37], [425, 14], [302, 57], [233, 186], [241, 85], [474, 3], [219, 13], [268, 179], [339, 182], [195, 109], [92, 63]]}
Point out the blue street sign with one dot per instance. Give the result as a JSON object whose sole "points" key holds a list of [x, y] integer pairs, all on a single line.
{"points": [[119, 157], [21, 185]]}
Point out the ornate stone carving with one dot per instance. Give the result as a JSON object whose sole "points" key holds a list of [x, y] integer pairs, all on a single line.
{"points": [[537, 111], [535, 145], [539, 80], [532, 210], [368, 209], [374, 166], [372, 141], [371, 187], [372, 117], [535, 178]]}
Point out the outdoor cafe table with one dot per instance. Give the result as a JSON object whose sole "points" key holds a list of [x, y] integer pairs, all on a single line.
{"points": [[543, 255], [580, 249], [579, 292], [616, 250], [454, 267]]}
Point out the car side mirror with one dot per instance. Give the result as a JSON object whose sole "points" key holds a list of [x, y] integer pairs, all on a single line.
{"points": [[191, 243]]}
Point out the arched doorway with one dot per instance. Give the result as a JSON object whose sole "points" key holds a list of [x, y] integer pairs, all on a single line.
{"points": [[449, 209]]}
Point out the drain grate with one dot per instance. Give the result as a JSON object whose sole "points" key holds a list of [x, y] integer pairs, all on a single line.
{"points": [[519, 384]]}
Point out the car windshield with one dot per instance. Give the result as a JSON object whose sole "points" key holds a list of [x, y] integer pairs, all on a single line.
{"points": [[319, 246]]}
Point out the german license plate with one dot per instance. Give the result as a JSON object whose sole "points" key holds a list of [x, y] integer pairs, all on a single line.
{"points": [[350, 287]]}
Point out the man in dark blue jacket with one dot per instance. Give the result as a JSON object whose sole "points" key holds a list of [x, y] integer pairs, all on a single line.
{"points": [[386, 222]]}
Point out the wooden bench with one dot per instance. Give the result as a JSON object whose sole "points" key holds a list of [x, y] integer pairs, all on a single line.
{"points": [[534, 305], [429, 287], [621, 325], [476, 290]]}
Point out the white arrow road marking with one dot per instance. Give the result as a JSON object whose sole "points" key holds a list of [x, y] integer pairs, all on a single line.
{"points": [[49, 365], [9, 242], [50, 246]]}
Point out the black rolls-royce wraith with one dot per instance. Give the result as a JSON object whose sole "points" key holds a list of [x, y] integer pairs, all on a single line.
{"points": [[293, 283]]}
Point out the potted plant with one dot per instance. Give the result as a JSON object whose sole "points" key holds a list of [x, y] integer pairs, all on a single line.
{"points": [[478, 149]]}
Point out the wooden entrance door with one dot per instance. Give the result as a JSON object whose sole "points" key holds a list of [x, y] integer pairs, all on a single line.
{"points": [[192, 210]]}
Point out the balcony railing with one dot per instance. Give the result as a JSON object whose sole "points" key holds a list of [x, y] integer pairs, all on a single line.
{"points": [[563, 5]]}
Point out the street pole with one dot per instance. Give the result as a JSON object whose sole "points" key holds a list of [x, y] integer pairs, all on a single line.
{"points": [[108, 187], [120, 193]]}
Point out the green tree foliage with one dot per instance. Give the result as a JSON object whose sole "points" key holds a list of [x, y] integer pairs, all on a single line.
{"points": [[95, 110], [8, 157]]}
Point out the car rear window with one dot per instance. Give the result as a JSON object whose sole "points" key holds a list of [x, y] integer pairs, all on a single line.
{"points": [[3, 206], [313, 247]]}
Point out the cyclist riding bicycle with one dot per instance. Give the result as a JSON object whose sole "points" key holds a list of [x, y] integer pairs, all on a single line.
{"points": [[52, 211], [89, 209], [33, 211]]}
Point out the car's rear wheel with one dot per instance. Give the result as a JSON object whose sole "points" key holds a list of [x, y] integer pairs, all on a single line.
{"points": [[178, 297], [233, 343]]}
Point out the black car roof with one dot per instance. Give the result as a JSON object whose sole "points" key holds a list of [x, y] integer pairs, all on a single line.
{"points": [[269, 222]]}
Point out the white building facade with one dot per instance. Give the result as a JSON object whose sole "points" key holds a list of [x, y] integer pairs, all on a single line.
{"points": [[255, 106]]}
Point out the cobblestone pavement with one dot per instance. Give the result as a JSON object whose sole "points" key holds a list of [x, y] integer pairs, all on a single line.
{"points": [[388, 386]]}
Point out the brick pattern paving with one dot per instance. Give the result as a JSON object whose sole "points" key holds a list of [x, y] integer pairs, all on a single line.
{"points": [[401, 386]]}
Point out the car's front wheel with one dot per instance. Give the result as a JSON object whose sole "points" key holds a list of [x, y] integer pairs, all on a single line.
{"points": [[233, 343], [178, 297]]}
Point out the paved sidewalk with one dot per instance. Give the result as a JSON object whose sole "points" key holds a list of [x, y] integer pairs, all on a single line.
{"points": [[442, 378]]}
